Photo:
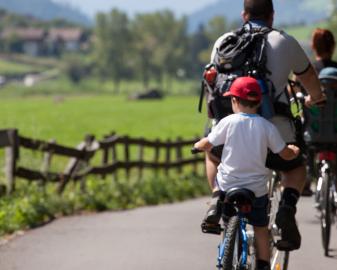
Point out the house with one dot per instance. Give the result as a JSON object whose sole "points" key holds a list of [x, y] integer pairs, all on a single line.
{"points": [[30, 41], [66, 39], [37, 41]]}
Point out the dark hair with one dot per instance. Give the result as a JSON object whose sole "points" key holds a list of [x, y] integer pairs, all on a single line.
{"points": [[247, 103], [259, 9], [323, 42]]}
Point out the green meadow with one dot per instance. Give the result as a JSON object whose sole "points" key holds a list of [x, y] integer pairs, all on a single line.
{"points": [[67, 119]]}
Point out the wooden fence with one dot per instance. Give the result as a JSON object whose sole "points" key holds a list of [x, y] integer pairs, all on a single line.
{"points": [[116, 151]]}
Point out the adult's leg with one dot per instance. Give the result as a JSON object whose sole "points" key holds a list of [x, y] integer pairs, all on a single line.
{"points": [[213, 214], [262, 243], [212, 163], [293, 182], [294, 178]]}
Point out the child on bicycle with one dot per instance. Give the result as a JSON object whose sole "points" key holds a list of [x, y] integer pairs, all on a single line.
{"points": [[246, 137]]}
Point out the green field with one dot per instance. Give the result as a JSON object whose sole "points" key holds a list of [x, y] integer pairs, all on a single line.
{"points": [[303, 33], [68, 119], [13, 68]]}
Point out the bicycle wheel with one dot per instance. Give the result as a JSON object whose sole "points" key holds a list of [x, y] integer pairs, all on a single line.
{"points": [[231, 258], [326, 200], [279, 259]]}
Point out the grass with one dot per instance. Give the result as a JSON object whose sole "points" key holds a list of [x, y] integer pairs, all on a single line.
{"points": [[68, 119], [63, 86], [14, 68], [303, 33]]}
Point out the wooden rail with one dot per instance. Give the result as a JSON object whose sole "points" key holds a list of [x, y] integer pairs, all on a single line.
{"points": [[166, 155]]}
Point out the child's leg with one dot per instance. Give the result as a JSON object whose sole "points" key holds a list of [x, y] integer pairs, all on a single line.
{"points": [[262, 246]]}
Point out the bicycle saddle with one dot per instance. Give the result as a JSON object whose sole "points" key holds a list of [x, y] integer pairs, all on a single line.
{"points": [[240, 196]]}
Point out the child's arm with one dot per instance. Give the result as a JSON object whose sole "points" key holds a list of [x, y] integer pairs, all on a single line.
{"points": [[203, 144], [289, 152]]}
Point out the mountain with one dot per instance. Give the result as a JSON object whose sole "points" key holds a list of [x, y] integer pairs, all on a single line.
{"points": [[287, 12], [45, 10]]}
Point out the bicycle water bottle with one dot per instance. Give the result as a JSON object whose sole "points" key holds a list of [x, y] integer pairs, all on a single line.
{"points": [[267, 107]]}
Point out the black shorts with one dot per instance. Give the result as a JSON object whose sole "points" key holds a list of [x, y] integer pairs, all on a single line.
{"points": [[273, 162], [259, 215]]}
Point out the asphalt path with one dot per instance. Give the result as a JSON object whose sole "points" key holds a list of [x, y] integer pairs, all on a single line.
{"points": [[164, 237]]}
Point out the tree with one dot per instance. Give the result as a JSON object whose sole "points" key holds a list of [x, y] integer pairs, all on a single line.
{"points": [[333, 17], [216, 27], [160, 46], [112, 45], [198, 43]]}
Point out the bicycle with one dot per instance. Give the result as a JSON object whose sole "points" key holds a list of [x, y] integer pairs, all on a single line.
{"points": [[236, 249], [279, 259], [326, 192], [325, 148]]}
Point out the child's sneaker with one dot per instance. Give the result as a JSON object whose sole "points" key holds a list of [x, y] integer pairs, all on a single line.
{"points": [[213, 214], [210, 223]]}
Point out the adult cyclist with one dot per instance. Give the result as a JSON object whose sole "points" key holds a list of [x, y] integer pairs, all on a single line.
{"points": [[323, 46], [284, 56]]}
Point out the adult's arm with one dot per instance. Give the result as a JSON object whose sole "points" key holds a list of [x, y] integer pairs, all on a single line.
{"points": [[311, 83]]}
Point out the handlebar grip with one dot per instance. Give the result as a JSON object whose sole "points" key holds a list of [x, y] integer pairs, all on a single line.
{"points": [[195, 150]]}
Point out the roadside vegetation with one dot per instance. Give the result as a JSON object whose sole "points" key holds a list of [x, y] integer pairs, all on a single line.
{"points": [[31, 206], [67, 121]]}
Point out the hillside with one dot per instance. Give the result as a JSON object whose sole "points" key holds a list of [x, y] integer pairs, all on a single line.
{"points": [[287, 12], [45, 10]]}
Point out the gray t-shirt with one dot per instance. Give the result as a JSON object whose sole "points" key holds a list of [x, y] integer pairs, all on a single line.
{"points": [[284, 56]]}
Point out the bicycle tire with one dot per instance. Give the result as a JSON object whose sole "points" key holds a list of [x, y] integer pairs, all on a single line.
{"points": [[232, 241], [280, 258], [325, 216]]}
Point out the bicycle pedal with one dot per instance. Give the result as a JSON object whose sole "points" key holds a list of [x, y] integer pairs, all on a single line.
{"points": [[211, 228]]}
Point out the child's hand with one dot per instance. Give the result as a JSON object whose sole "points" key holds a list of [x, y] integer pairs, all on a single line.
{"points": [[203, 145], [294, 149], [290, 152]]}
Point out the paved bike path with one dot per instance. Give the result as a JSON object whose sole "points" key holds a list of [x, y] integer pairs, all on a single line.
{"points": [[164, 237]]}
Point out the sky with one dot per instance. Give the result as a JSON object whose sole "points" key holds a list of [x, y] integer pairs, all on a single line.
{"points": [[90, 7]]}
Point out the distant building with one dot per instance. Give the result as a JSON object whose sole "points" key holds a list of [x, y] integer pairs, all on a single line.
{"points": [[36, 41], [30, 41], [70, 39]]}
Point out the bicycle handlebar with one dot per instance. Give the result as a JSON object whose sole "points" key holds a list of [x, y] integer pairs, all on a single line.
{"points": [[196, 151]]}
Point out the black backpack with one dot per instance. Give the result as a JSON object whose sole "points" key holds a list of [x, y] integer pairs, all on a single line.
{"points": [[241, 53]]}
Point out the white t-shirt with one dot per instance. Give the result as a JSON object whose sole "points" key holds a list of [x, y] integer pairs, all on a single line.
{"points": [[246, 139]]}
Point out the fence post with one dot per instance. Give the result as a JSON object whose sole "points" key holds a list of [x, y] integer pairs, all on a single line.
{"points": [[179, 155], [168, 157], [114, 160], [75, 164], [88, 145], [141, 159], [12, 154], [156, 155], [47, 157], [127, 156], [105, 157]]}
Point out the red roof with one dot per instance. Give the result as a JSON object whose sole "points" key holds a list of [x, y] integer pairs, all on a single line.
{"points": [[29, 34], [65, 34]]}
